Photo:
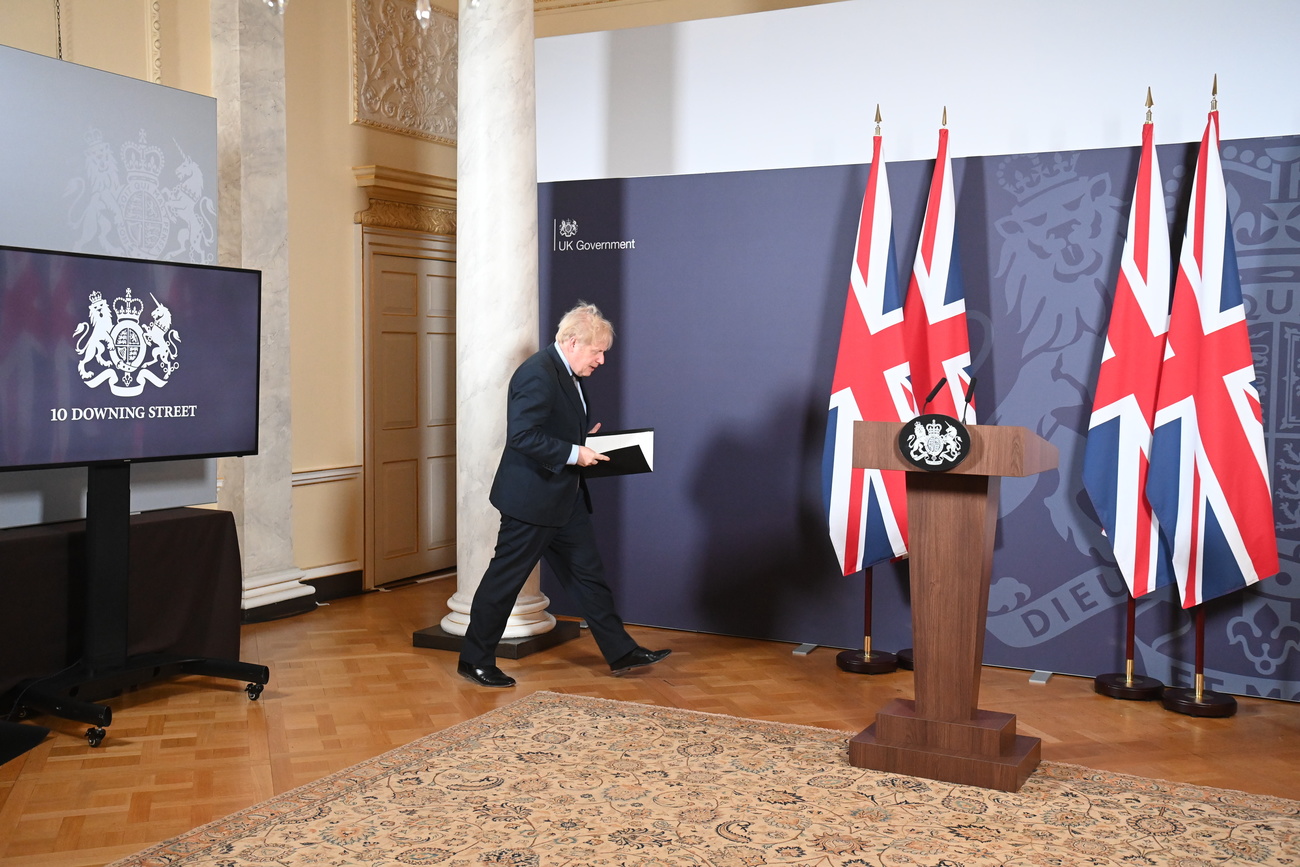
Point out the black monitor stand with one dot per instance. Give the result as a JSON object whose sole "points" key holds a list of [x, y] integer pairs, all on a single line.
{"points": [[105, 669]]}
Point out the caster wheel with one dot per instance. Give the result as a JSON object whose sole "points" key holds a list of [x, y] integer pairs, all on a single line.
{"points": [[254, 691], [95, 736]]}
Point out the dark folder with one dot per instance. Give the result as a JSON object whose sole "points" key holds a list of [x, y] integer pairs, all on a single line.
{"points": [[629, 452]]}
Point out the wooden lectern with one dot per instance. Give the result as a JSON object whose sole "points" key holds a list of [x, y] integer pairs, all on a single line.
{"points": [[951, 517]]}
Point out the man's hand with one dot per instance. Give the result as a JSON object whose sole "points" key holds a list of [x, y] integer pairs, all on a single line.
{"points": [[586, 456]]}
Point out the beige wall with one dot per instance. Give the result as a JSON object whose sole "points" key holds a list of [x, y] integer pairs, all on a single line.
{"points": [[325, 325], [167, 41], [164, 41]]}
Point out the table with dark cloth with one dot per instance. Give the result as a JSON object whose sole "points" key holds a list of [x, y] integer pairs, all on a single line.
{"points": [[185, 582]]}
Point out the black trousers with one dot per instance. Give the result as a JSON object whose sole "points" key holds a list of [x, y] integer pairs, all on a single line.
{"points": [[572, 554]]}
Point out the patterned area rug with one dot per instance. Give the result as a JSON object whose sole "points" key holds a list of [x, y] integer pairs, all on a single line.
{"points": [[569, 780]]}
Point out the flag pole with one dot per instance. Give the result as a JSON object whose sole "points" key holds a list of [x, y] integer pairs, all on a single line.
{"points": [[1150, 284], [1129, 686], [1197, 700], [874, 276], [1198, 369], [866, 660], [936, 194], [906, 658]]}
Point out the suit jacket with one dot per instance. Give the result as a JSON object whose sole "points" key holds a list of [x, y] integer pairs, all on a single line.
{"points": [[544, 419]]}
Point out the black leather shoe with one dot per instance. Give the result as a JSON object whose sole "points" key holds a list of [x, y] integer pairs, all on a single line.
{"points": [[488, 675], [639, 657]]}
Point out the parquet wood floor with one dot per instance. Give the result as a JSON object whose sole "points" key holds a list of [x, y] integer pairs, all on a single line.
{"points": [[346, 685]]}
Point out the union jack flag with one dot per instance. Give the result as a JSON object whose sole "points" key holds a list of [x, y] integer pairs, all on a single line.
{"points": [[935, 310], [1209, 481], [1116, 456], [867, 508]]}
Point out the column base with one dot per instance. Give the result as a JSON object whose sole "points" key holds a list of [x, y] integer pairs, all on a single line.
{"points": [[437, 638], [984, 751]]}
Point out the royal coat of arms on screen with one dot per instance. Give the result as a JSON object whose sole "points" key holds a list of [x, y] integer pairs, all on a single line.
{"points": [[117, 348]]}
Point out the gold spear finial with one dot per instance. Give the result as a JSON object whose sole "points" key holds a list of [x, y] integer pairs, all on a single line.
{"points": [[1214, 94], [945, 115], [877, 118], [1149, 104]]}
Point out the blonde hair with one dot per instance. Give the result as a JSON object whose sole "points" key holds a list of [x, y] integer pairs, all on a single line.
{"points": [[586, 323]]}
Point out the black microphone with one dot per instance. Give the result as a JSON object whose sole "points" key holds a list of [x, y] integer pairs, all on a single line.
{"points": [[970, 393], [938, 385]]}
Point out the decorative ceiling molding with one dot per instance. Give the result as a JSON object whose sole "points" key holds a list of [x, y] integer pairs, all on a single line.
{"points": [[404, 77]]}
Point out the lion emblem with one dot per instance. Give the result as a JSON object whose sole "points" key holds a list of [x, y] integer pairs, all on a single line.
{"points": [[95, 336], [1057, 238]]}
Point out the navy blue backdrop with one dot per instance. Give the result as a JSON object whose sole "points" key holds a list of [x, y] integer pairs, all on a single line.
{"points": [[727, 291]]}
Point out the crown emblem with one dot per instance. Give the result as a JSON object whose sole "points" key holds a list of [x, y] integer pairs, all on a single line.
{"points": [[95, 144], [1265, 220], [96, 299], [127, 307], [1027, 175], [142, 160], [933, 428]]}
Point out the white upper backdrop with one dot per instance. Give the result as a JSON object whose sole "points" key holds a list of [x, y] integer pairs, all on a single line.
{"points": [[799, 87]]}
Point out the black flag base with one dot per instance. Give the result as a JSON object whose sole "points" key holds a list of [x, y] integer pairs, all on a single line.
{"points": [[1199, 703], [867, 662], [1130, 686], [1136, 687], [905, 658]]}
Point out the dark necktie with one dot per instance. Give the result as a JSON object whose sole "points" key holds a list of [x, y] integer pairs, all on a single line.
{"points": [[578, 385]]}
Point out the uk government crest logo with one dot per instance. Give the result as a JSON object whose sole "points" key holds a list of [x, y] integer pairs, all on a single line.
{"points": [[934, 442], [115, 347], [564, 239]]}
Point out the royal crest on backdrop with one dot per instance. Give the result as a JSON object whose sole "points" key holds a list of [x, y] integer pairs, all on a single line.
{"points": [[136, 216]]}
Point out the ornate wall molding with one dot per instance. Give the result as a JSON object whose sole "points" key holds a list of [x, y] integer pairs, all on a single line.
{"points": [[401, 199], [155, 42], [404, 77], [403, 215]]}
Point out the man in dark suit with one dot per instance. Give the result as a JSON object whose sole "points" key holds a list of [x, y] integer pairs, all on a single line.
{"points": [[544, 504]]}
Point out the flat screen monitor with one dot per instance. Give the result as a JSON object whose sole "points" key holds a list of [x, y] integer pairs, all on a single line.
{"points": [[105, 359]]}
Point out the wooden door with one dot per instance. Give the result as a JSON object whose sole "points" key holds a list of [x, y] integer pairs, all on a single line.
{"points": [[410, 404]]}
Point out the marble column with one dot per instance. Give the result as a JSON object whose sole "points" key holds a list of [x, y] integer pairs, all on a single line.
{"points": [[496, 278], [248, 80]]}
